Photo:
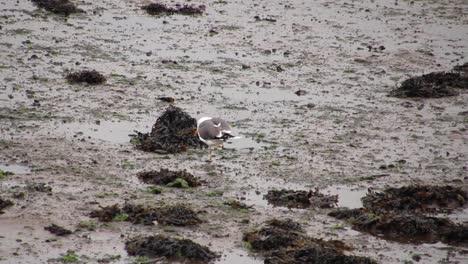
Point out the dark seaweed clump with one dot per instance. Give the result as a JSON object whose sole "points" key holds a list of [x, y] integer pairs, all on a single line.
{"points": [[398, 214], [61, 7], [284, 242], [434, 84], [176, 215], [405, 228], [58, 230], [173, 132], [172, 178], [92, 77], [4, 203], [172, 248], [161, 9], [107, 213], [301, 199], [419, 198]]}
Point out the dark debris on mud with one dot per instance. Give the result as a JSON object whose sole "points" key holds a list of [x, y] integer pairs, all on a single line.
{"points": [[178, 179], [162, 9], [106, 213], [404, 228], [301, 199], [172, 248], [434, 84], [58, 230], [235, 204], [38, 187], [416, 198], [4, 203], [176, 215], [284, 241], [173, 132], [61, 7], [91, 77]]}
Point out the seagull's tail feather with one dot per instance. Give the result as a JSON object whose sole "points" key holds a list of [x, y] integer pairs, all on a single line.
{"points": [[227, 136]]}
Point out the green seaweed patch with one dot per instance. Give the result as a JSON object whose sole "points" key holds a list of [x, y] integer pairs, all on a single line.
{"points": [[120, 218], [215, 193], [88, 224], [69, 257], [4, 174], [154, 190], [178, 183]]}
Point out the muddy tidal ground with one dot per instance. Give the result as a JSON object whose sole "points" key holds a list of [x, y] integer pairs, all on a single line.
{"points": [[305, 83]]}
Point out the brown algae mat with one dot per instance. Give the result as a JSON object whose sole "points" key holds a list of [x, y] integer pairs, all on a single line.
{"points": [[284, 241], [162, 9], [178, 179], [176, 215], [301, 199], [398, 214], [173, 132], [4, 203], [91, 77], [434, 84], [168, 247], [58, 230], [416, 198], [61, 7], [405, 228]]}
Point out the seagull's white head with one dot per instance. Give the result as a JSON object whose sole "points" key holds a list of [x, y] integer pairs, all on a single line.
{"points": [[203, 119]]}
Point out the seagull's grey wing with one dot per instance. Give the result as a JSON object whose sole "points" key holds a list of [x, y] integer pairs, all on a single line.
{"points": [[208, 130], [225, 128]]}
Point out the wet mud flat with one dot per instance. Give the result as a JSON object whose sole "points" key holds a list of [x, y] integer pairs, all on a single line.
{"points": [[305, 83]]}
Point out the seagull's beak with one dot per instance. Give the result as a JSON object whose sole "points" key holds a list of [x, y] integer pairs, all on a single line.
{"points": [[195, 132]]}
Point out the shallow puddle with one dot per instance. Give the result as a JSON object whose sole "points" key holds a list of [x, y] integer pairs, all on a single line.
{"points": [[348, 196], [15, 168]]}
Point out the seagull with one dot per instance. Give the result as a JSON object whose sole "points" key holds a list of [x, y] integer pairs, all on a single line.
{"points": [[213, 131]]}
